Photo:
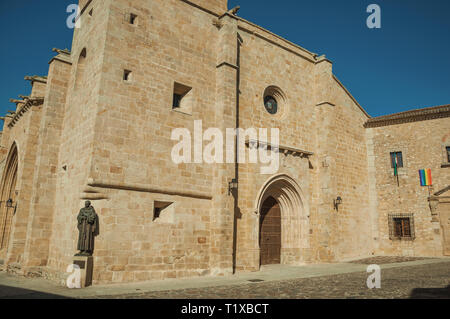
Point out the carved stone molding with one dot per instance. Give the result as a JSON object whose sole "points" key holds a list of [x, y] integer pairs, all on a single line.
{"points": [[28, 103], [425, 114], [286, 150]]}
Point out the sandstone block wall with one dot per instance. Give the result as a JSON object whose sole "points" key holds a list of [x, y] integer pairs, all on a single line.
{"points": [[78, 130], [103, 133], [423, 146]]}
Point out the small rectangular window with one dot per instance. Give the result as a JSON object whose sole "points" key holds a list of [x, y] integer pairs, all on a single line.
{"points": [[401, 226], [182, 98], [163, 212], [396, 158], [133, 18], [448, 153], [127, 75]]}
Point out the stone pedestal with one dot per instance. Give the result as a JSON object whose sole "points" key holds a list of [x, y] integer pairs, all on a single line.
{"points": [[86, 264]]}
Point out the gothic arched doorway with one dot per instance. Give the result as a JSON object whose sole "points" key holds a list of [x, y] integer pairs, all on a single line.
{"points": [[8, 192], [283, 222], [270, 232]]}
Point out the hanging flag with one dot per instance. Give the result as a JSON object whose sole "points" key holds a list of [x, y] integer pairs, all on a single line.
{"points": [[395, 165], [425, 177], [395, 161]]}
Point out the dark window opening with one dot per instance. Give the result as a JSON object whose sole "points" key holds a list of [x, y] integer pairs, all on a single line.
{"points": [[157, 213], [163, 211], [133, 18], [402, 227], [396, 158], [271, 104], [91, 12], [448, 153], [176, 101], [182, 97], [127, 75]]}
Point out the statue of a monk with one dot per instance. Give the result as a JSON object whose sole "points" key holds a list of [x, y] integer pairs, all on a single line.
{"points": [[88, 229]]}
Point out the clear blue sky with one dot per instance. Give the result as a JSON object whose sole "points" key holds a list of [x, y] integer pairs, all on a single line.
{"points": [[404, 65]]}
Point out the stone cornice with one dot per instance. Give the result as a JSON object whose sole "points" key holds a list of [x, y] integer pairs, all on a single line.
{"points": [[323, 58], [265, 35], [425, 114], [201, 8], [63, 56], [148, 189], [30, 102], [287, 150]]}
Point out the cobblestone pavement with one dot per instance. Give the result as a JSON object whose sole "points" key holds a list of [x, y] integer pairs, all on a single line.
{"points": [[381, 260], [424, 281]]}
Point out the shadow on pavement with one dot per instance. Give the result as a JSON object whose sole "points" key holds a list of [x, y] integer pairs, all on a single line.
{"points": [[430, 293], [7, 292]]}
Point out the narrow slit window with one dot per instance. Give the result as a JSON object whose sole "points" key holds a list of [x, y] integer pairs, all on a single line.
{"points": [[133, 18], [127, 75], [448, 153], [91, 12]]}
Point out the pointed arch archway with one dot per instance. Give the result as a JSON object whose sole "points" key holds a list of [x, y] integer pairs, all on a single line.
{"points": [[81, 69], [8, 192], [283, 192]]}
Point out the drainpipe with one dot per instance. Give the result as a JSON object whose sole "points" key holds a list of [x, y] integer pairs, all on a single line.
{"points": [[236, 211]]}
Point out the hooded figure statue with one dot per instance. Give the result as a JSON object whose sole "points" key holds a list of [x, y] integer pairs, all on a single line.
{"points": [[88, 229]]}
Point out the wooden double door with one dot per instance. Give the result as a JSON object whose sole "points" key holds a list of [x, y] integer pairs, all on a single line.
{"points": [[270, 232]]}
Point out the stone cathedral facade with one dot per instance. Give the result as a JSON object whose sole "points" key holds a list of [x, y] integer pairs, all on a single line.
{"points": [[98, 127]]}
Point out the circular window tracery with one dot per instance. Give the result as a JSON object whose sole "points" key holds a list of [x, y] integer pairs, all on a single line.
{"points": [[274, 100], [271, 104]]}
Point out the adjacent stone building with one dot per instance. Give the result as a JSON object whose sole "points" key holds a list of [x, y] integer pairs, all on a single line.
{"points": [[99, 127]]}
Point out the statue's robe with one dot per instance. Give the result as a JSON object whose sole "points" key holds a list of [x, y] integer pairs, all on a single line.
{"points": [[88, 229]]}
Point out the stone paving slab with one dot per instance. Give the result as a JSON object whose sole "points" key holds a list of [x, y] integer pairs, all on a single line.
{"points": [[268, 274], [418, 282], [381, 260]]}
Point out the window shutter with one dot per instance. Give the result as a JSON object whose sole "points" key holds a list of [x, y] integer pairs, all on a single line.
{"points": [[400, 159], [406, 227]]}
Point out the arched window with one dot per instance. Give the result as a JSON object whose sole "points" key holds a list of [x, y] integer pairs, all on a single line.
{"points": [[81, 66]]}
